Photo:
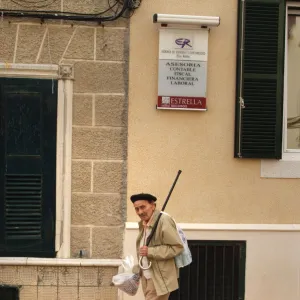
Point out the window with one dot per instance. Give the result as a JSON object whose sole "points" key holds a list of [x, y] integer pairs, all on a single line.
{"points": [[292, 75], [217, 272], [28, 113], [268, 95]]}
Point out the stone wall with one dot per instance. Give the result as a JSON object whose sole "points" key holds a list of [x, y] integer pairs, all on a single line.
{"points": [[99, 55], [60, 283]]}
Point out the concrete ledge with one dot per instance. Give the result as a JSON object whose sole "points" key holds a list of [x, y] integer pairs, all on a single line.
{"points": [[28, 70], [229, 227], [280, 168], [31, 261]]}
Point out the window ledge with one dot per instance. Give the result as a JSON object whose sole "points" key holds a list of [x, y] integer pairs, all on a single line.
{"points": [[280, 168], [31, 261]]}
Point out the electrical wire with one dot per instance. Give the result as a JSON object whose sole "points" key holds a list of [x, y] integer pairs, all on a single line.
{"points": [[131, 13], [110, 8], [117, 4], [119, 9], [133, 4]]}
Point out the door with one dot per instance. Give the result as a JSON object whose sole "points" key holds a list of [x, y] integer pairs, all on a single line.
{"points": [[28, 112]]}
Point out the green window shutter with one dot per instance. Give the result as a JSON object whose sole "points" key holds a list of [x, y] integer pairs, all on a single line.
{"points": [[260, 71], [28, 112]]}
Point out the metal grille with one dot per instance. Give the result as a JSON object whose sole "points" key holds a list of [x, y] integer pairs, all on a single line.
{"points": [[23, 206], [216, 273], [9, 293]]}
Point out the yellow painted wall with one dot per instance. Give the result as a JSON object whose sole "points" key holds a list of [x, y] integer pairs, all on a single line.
{"points": [[214, 186]]}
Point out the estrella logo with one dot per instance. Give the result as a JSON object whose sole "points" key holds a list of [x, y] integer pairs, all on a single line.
{"points": [[183, 42]]}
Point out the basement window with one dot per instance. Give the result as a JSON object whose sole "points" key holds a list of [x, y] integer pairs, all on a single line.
{"points": [[217, 272]]}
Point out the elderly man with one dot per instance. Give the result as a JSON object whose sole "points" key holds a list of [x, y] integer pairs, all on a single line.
{"points": [[162, 277]]}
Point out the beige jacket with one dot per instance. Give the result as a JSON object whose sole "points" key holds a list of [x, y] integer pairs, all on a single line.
{"points": [[164, 246]]}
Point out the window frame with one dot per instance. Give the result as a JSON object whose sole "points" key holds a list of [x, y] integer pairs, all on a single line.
{"points": [[64, 74], [287, 154]]}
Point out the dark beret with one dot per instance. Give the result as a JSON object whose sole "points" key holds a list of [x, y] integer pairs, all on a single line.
{"points": [[142, 196]]}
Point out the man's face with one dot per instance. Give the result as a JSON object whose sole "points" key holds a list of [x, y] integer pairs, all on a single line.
{"points": [[144, 209]]}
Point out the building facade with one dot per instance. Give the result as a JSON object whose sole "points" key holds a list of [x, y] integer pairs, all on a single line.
{"points": [[81, 132], [239, 159]]}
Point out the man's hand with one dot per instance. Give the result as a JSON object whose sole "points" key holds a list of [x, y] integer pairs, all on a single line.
{"points": [[144, 251]]}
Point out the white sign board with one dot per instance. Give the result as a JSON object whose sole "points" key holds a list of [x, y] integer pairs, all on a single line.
{"points": [[182, 69]]}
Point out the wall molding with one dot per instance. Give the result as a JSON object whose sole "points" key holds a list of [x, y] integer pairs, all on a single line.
{"points": [[55, 262], [39, 71], [228, 227], [29, 71]]}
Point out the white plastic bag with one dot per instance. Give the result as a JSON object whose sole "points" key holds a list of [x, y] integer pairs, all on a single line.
{"points": [[185, 257], [127, 282]]}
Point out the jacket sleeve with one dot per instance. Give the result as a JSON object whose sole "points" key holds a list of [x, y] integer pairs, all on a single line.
{"points": [[171, 245]]}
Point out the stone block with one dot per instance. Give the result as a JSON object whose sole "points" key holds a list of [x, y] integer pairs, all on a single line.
{"points": [[109, 177], [112, 44], [99, 143], [120, 22], [82, 45], [52, 5], [8, 39], [59, 37], [67, 293], [8, 275], [47, 293], [105, 275], [89, 293], [99, 77], [97, 210], [110, 110], [28, 293], [82, 110], [107, 242], [88, 276], [85, 6], [27, 275], [80, 240], [81, 176], [107, 293], [68, 276], [47, 275], [29, 42]]}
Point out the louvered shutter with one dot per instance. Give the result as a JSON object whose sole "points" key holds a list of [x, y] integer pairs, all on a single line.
{"points": [[27, 167], [260, 68]]}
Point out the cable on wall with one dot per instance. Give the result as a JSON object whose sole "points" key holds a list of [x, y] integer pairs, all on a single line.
{"points": [[120, 8]]}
